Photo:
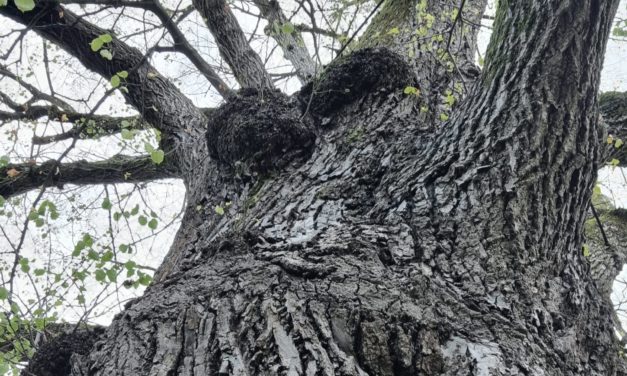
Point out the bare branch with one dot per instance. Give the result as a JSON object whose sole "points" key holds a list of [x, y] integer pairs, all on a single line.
{"points": [[182, 45], [155, 98], [291, 42], [20, 178], [245, 64], [37, 94]]}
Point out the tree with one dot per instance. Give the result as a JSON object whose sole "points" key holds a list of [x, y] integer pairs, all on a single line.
{"points": [[404, 213]]}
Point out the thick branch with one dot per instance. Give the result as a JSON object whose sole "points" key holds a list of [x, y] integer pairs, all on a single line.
{"points": [[85, 125], [20, 178], [182, 45], [613, 106], [91, 126], [245, 64], [156, 98], [420, 32], [291, 43]]}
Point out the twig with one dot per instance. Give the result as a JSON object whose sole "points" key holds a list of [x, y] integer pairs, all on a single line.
{"points": [[596, 216]]}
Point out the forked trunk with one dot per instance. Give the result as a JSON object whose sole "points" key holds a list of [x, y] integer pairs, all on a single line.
{"points": [[385, 247]]}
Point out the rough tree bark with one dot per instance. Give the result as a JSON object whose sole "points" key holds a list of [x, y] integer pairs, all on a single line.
{"points": [[365, 235]]}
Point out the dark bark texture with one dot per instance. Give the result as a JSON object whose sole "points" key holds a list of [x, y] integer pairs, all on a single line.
{"points": [[360, 235]]}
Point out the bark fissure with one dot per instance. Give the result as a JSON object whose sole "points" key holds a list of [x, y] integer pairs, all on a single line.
{"points": [[388, 249]]}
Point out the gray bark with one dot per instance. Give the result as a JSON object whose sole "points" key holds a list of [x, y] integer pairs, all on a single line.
{"points": [[385, 248], [614, 110], [292, 44], [245, 64], [119, 169]]}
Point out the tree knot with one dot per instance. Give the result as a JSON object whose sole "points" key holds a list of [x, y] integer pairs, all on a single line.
{"points": [[353, 77], [54, 357], [260, 129]]}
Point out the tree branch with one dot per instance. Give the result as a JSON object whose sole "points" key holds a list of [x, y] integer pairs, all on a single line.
{"points": [[86, 125], [291, 43], [157, 100], [245, 64], [182, 45], [20, 178], [37, 94]]}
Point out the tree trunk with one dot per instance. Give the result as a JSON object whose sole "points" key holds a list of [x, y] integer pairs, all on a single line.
{"points": [[384, 248]]}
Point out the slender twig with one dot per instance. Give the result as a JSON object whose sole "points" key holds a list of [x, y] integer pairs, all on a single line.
{"points": [[359, 28], [596, 216]]}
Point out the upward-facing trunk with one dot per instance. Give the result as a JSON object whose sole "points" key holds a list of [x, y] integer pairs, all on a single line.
{"points": [[383, 248]]}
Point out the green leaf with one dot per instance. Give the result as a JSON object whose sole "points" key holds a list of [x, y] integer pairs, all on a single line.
{"points": [[618, 143], [219, 210], [2, 4], [127, 134], [287, 28], [96, 44], [106, 204], [144, 279], [33, 215], [4, 160], [614, 162], [122, 74], [106, 38], [88, 240], [24, 266], [443, 117], [107, 256], [93, 255], [39, 222], [410, 90], [130, 265], [619, 32], [40, 272], [596, 190], [125, 124], [149, 148], [135, 210], [586, 250], [25, 5], [115, 81], [157, 156], [112, 275], [106, 54], [142, 220], [394, 31], [153, 224], [123, 248], [100, 275], [4, 293], [78, 248]]}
